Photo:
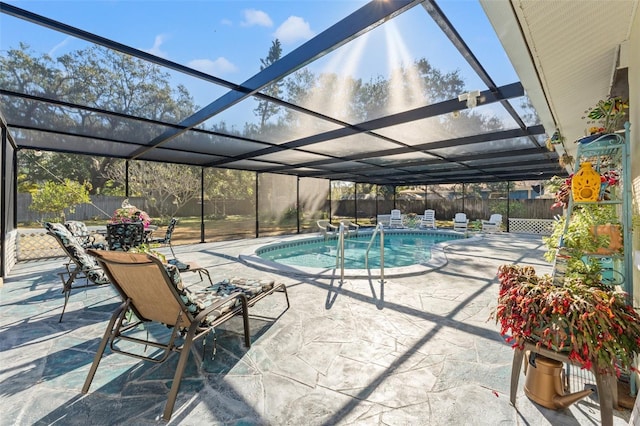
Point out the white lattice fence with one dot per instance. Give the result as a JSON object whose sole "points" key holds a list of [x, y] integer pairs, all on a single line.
{"points": [[531, 226], [37, 245]]}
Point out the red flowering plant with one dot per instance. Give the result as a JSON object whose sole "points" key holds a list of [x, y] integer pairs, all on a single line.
{"points": [[593, 324]]}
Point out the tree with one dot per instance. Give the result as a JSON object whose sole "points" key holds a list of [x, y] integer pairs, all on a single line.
{"points": [[166, 187], [265, 109], [95, 77], [52, 197]]}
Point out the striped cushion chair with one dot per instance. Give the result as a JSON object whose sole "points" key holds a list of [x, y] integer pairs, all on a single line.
{"points": [[79, 266]]}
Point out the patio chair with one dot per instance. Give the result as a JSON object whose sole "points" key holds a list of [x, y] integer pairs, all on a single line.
{"points": [[154, 292], [327, 228], [80, 264], [460, 222], [86, 238], [494, 223], [428, 219], [166, 240], [395, 220], [123, 236], [350, 228]]}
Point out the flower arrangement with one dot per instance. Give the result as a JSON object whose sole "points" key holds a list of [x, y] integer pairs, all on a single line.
{"points": [[128, 213], [590, 322]]}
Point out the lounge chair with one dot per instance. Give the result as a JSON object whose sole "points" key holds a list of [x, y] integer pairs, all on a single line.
{"points": [[327, 228], [123, 236], [86, 238], [428, 219], [460, 222], [350, 228], [80, 264], [395, 220], [494, 223], [154, 292], [166, 240]]}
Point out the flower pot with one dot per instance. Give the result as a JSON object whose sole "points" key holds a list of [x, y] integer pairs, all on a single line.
{"points": [[614, 232]]}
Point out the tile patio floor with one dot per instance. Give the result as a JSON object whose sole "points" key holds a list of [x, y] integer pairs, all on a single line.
{"points": [[413, 351]]}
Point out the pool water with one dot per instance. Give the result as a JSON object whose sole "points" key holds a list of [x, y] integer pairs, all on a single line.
{"points": [[400, 249]]}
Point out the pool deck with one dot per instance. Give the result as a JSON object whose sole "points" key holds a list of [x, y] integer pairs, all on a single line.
{"points": [[414, 350]]}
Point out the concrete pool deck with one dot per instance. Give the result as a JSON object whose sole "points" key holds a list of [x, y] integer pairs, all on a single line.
{"points": [[416, 350]]}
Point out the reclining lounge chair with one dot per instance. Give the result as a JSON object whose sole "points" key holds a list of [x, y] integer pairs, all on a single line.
{"points": [[154, 293], [166, 240], [493, 224], [350, 228], [327, 228], [86, 238], [80, 264]]}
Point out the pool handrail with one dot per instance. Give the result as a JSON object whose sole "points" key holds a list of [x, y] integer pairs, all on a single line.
{"points": [[379, 229], [340, 251]]}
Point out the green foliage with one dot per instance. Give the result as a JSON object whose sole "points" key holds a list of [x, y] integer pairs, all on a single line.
{"points": [[99, 78], [265, 109], [167, 187], [579, 239], [52, 197], [289, 216]]}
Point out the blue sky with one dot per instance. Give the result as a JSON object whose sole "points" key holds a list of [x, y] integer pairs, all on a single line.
{"points": [[228, 38]]}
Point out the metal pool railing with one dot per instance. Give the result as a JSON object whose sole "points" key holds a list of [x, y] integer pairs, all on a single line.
{"points": [[340, 252], [378, 230]]}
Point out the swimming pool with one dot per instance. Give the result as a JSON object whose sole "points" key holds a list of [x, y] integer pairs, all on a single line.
{"points": [[406, 252]]}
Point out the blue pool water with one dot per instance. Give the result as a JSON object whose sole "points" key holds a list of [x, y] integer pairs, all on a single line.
{"points": [[400, 249]]}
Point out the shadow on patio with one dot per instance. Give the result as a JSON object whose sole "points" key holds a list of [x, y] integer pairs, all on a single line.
{"points": [[415, 350]]}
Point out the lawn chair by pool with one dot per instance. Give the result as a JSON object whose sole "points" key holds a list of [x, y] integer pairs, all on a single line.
{"points": [[154, 292], [428, 219], [166, 240], [327, 228], [494, 224], [395, 220], [460, 222], [123, 236], [350, 228], [80, 265], [86, 238]]}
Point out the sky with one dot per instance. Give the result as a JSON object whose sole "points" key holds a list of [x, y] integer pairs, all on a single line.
{"points": [[227, 39]]}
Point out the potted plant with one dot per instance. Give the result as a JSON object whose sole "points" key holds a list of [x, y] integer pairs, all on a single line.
{"points": [[594, 228], [592, 323], [607, 115], [129, 213]]}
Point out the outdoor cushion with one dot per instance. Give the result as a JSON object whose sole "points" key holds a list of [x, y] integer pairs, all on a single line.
{"points": [[87, 264], [201, 299]]}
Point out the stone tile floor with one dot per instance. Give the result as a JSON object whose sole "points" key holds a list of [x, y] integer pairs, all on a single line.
{"points": [[417, 350]]}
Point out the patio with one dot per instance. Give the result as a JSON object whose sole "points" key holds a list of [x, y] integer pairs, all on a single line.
{"points": [[416, 350]]}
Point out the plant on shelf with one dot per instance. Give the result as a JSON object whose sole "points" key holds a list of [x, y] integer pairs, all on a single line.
{"points": [[581, 238], [594, 325], [607, 116]]}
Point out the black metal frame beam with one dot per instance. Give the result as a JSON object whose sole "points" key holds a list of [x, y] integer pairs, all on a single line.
{"points": [[361, 21]]}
